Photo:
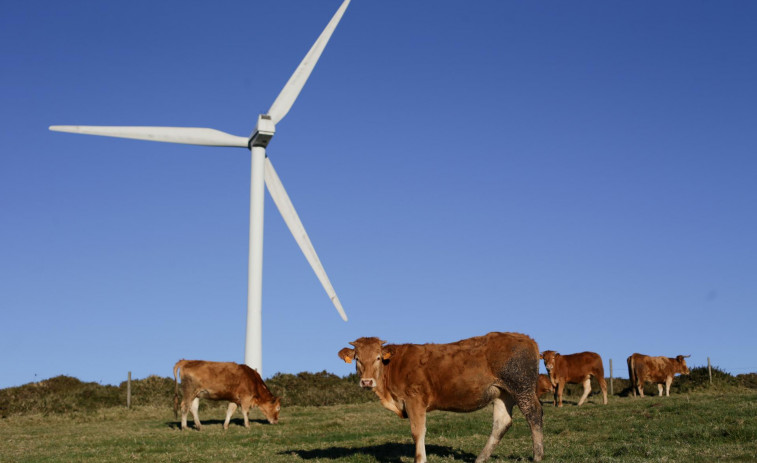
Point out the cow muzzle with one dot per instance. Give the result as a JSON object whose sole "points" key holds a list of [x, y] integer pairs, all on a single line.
{"points": [[369, 383]]}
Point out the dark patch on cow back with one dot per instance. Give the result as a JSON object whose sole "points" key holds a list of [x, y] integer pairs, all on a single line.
{"points": [[520, 373]]}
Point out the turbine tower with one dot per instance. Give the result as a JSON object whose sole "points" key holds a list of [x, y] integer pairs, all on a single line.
{"points": [[262, 173]]}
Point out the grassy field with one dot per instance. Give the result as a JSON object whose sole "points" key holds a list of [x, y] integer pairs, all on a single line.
{"points": [[700, 426]]}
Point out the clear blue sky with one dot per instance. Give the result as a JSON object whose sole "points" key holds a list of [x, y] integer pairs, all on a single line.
{"points": [[583, 172]]}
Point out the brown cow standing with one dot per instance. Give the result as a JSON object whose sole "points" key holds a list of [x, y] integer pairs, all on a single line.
{"points": [[574, 369], [544, 385], [658, 370], [412, 379], [239, 384]]}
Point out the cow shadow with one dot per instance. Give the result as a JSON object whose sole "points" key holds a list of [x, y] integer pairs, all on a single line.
{"points": [[384, 453], [234, 422]]}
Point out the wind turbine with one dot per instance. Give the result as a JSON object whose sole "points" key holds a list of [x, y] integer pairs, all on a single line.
{"points": [[262, 173]]}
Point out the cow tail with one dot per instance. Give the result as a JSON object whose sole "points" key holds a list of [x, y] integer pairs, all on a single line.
{"points": [[176, 367], [631, 376]]}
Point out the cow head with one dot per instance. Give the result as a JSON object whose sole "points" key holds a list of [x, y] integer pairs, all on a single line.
{"points": [[369, 356], [549, 357], [681, 364], [271, 410]]}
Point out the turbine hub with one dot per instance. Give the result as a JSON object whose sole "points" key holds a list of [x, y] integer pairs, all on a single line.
{"points": [[263, 131]]}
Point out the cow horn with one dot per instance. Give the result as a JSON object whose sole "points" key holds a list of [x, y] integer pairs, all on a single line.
{"points": [[687, 356]]}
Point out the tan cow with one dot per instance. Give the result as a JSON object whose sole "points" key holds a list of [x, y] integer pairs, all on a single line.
{"points": [[574, 369], [642, 368], [544, 385], [464, 376], [239, 384]]}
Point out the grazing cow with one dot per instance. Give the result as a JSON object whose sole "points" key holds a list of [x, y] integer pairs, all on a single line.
{"points": [[642, 368], [574, 369], [464, 376], [544, 385], [239, 384]]}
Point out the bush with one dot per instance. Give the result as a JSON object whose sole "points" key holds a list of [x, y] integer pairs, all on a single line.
{"points": [[318, 389], [699, 378], [748, 380], [61, 394], [154, 390]]}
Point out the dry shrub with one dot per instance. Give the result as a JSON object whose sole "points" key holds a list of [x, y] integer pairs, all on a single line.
{"points": [[61, 394], [318, 389]]}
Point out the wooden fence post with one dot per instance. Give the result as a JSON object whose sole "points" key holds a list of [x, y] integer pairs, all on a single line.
{"points": [[709, 369], [128, 392], [611, 389]]}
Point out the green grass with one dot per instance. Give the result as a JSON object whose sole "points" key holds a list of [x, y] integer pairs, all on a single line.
{"points": [[690, 427]]}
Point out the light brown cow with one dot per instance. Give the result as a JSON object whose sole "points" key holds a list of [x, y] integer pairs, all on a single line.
{"points": [[658, 370], [412, 379], [239, 384], [574, 369], [544, 385]]}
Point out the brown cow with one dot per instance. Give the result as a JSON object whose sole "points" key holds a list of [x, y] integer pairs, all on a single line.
{"points": [[464, 376], [544, 385], [239, 384], [574, 369], [658, 370]]}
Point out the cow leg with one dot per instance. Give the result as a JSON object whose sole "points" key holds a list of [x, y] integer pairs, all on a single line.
{"points": [[659, 389], [229, 411], [640, 386], [246, 415], [417, 414], [246, 405], [195, 408], [668, 382], [587, 390], [503, 412], [603, 386], [184, 411], [558, 393], [531, 408]]}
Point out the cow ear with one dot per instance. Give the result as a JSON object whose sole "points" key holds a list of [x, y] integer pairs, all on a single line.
{"points": [[541, 355], [386, 355], [347, 354]]}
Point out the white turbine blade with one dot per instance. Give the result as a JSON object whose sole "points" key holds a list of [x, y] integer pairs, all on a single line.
{"points": [[281, 198], [185, 135], [291, 90]]}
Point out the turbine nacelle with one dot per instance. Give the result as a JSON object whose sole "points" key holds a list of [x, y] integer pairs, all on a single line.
{"points": [[264, 131]]}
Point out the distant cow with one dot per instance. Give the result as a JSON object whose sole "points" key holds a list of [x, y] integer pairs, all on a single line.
{"points": [[544, 385], [412, 379], [642, 368], [239, 384], [574, 369]]}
